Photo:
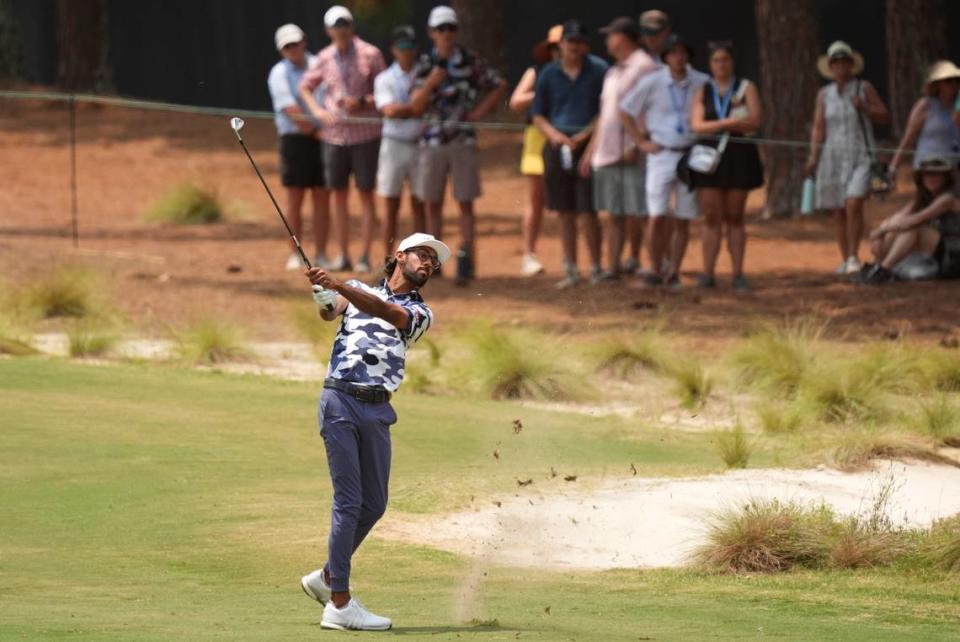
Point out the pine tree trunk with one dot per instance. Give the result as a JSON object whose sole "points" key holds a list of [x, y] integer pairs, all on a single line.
{"points": [[787, 36], [11, 62], [481, 29], [916, 37], [82, 40]]}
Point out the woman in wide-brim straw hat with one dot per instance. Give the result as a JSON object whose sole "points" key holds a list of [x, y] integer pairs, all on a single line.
{"points": [[531, 158], [930, 225], [840, 140], [931, 129]]}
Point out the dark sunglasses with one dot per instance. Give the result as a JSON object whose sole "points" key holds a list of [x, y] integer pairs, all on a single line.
{"points": [[446, 27], [426, 257]]}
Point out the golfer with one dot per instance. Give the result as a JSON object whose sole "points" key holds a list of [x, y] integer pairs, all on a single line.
{"points": [[366, 367]]}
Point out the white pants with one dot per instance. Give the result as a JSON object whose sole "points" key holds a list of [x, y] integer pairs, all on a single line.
{"points": [[661, 181], [397, 163]]}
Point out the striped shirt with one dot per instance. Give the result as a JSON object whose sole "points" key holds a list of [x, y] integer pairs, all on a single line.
{"points": [[349, 74]]}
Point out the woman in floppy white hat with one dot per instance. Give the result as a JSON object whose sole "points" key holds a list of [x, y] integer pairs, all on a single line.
{"points": [[932, 125], [840, 141]]}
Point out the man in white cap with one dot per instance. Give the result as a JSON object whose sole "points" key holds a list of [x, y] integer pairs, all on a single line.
{"points": [[449, 83], [347, 66], [366, 367], [301, 166]]}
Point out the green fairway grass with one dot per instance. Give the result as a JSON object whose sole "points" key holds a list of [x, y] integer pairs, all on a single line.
{"points": [[154, 503]]}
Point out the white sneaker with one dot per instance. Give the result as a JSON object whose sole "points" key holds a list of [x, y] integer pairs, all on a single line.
{"points": [[353, 617], [852, 266], [572, 279], [320, 261], [293, 262], [316, 587], [363, 265], [530, 265]]}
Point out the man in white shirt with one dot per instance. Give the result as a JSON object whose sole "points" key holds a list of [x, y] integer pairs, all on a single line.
{"points": [[301, 165], [656, 113], [401, 134]]}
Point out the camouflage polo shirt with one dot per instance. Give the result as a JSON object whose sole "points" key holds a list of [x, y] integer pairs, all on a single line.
{"points": [[371, 351]]}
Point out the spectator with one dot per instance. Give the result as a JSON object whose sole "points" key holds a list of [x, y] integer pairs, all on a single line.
{"points": [[401, 134], [449, 82], [565, 109], [726, 105], [840, 141], [929, 225], [612, 156], [931, 126], [301, 166], [348, 66], [531, 159], [656, 113], [654, 31]]}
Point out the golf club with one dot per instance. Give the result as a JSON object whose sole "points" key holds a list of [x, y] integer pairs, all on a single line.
{"points": [[237, 124]]}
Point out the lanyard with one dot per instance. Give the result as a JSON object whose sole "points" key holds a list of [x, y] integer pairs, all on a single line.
{"points": [[679, 105], [722, 105]]}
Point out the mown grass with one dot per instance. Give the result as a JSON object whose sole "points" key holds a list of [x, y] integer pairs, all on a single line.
{"points": [[187, 204], [133, 495]]}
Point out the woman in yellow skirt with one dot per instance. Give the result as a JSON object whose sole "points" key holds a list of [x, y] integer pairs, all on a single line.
{"points": [[531, 159]]}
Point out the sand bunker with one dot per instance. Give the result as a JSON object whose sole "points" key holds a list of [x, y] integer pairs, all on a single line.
{"points": [[657, 522]]}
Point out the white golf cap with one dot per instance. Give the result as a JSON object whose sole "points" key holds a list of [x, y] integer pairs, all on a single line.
{"points": [[288, 34], [426, 240], [442, 15], [335, 13]]}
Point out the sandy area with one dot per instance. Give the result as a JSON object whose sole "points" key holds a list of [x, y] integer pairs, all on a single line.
{"points": [[658, 522]]}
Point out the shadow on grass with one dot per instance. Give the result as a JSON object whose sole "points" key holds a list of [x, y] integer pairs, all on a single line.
{"points": [[461, 629]]}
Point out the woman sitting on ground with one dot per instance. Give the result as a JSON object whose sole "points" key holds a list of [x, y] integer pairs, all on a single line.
{"points": [[929, 225]]}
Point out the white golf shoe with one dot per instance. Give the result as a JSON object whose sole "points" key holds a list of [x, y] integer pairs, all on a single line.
{"points": [[293, 262], [353, 617], [316, 587]]}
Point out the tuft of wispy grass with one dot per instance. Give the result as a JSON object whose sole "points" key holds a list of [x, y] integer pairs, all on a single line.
{"points": [[693, 382], [734, 446], [779, 418], [942, 369], [940, 418], [14, 339], [187, 204], [840, 392], [419, 378], [512, 364], [857, 449], [941, 547], [211, 341], [69, 291], [627, 355], [869, 539], [86, 339], [317, 332], [778, 357]]}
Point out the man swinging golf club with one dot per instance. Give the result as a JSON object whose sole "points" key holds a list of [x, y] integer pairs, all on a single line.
{"points": [[366, 366]]}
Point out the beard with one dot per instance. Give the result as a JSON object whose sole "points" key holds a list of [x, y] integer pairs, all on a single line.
{"points": [[414, 276]]}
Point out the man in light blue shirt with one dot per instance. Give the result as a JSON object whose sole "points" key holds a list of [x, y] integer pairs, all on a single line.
{"points": [[301, 166], [656, 113]]}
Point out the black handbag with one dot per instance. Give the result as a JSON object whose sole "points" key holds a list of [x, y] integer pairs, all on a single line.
{"points": [[879, 171]]}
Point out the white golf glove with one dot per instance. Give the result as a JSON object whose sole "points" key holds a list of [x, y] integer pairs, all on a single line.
{"points": [[324, 297]]}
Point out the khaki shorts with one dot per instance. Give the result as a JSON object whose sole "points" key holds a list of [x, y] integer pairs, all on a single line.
{"points": [[398, 163], [459, 160]]}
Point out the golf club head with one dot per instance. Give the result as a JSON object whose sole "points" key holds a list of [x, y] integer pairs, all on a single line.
{"points": [[236, 124]]}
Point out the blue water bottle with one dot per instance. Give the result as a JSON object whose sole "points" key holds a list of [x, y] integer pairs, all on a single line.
{"points": [[807, 198]]}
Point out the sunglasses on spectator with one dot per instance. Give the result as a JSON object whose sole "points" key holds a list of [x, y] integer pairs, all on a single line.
{"points": [[426, 257], [446, 27]]}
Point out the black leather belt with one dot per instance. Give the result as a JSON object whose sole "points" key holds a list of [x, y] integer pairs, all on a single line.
{"points": [[677, 149], [366, 394]]}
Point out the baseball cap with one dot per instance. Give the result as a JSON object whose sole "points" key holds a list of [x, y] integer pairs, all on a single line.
{"points": [[653, 22], [623, 25], [677, 40], [442, 15], [337, 16], [426, 240], [288, 34], [573, 30], [403, 37]]}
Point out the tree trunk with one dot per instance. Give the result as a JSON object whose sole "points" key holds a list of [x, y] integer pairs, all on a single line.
{"points": [[787, 37], [916, 37], [11, 62], [481, 29], [82, 40]]}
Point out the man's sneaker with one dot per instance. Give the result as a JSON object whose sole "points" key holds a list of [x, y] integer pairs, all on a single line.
{"points": [[530, 265], [651, 280], [320, 260], [363, 265], [706, 282], [464, 269], [599, 275], [852, 266], [630, 266], [353, 617], [741, 283], [673, 283], [293, 262], [316, 587], [340, 264], [878, 275], [572, 278]]}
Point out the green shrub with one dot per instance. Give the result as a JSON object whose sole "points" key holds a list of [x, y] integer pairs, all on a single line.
{"points": [[210, 342], [734, 446], [187, 204]]}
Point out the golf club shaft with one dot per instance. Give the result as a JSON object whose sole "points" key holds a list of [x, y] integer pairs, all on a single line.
{"points": [[293, 237]]}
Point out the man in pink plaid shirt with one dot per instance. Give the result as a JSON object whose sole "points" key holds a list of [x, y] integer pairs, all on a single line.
{"points": [[348, 66]]}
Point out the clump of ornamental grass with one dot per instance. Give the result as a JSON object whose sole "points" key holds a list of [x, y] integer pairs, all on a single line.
{"points": [[939, 417], [420, 370], [778, 357], [869, 539], [627, 355], [857, 449], [840, 392], [515, 364], [187, 204], [210, 342], [692, 381], [942, 369], [69, 291], [779, 418], [14, 340], [941, 546], [734, 446], [91, 339], [317, 332]]}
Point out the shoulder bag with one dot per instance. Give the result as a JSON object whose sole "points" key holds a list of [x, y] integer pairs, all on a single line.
{"points": [[879, 171], [704, 159]]}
